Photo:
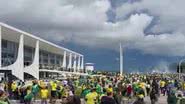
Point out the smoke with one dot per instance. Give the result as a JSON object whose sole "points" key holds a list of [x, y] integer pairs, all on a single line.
{"points": [[162, 67]]}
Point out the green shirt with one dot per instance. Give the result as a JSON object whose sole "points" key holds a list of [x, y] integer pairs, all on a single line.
{"points": [[98, 88], [85, 92]]}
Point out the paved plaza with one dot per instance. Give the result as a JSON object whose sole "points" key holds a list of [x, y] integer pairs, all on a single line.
{"points": [[162, 100]]}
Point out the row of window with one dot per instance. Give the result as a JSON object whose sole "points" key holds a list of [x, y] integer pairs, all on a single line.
{"points": [[10, 50]]}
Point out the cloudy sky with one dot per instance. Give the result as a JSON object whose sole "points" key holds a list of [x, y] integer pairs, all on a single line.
{"points": [[151, 31]]}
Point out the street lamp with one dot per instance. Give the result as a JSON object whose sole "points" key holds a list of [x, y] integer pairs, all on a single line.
{"points": [[180, 67]]}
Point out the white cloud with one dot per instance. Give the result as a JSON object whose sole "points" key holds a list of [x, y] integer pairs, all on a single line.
{"points": [[164, 44], [170, 13], [66, 17], [85, 22]]}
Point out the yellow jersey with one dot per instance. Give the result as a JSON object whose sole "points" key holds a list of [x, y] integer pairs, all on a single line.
{"points": [[14, 86], [91, 98], [109, 89], [44, 93], [162, 83], [53, 86]]}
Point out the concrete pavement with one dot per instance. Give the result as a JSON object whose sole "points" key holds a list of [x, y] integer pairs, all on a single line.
{"points": [[161, 100]]}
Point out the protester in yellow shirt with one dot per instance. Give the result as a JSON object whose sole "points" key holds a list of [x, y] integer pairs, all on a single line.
{"points": [[54, 86], [91, 98], [53, 91], [162, 83], [44, 95], [110, 89], [142, 85], [184, 86], [162, 87], [14, 89]]}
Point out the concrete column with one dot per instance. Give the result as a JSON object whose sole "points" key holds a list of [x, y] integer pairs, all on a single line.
{"points": [[49, 65], [36, 60], [55, 61], [64, 61], [78, 66], [70, 61], [0, 46], [20, 58], [18, 66], [41, 60], [33, 69], [82, 63], [74, 63]]}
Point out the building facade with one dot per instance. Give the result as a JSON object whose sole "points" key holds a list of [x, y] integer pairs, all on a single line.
{"points": [[89, 67], [23, 54]]}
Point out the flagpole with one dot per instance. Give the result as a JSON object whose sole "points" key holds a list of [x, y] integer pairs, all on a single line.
{"points": [[121, 60]]}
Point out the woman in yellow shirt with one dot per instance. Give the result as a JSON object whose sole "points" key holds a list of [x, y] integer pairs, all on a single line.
{"points": [[44, 95]]}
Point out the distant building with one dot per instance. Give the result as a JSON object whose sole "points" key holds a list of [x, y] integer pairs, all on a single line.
{"points": [[89, 67], [23, 54]]}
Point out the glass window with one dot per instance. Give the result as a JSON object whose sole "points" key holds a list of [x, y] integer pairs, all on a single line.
{"points": [[4, 44], [58, 62], [4, 55], [52, 61], [27, 59], [10, 55], [45, 60]]}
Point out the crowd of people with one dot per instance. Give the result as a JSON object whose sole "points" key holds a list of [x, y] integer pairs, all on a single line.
{"points": [[96, 90]]}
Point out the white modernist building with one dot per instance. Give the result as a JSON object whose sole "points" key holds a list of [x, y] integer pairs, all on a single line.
{"points": [[23, 54]]}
